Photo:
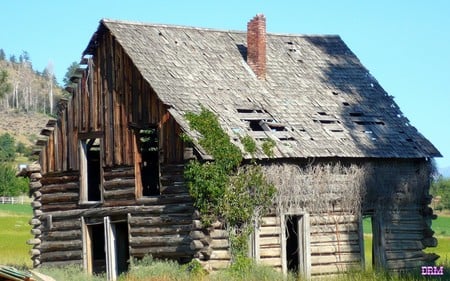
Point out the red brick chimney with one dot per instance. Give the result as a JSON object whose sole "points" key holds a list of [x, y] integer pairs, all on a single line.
{"points": [[256, 45]]}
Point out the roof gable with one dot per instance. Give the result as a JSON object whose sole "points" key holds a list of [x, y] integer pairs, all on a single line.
{"points": [[318, 100]]}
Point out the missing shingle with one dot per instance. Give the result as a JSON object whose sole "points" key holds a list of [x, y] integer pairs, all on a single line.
{"points": [[244, 110], [409, 140], [290, 43], [366, 123], [322, 113], [345, 103], [356, 114], [287, 138], [327, 121], [335, 93]]}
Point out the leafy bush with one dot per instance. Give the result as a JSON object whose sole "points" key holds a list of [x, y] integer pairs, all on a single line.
{"points": [[222, 189], [10, 185]]}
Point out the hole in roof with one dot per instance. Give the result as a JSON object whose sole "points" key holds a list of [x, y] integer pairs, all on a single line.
{"points": [[292, 50], [276, 127], [356, 114], [335, 93], [247, 110], [345, 103], [290, 43], [255, 125], [244, 110], [286, 139], [327, 121]]}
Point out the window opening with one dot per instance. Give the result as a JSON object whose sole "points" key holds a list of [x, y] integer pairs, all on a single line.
{"points": [[148, 146], [90, 170]]}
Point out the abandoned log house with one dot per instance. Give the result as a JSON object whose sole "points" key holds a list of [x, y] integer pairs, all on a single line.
{"points": [[109, 185]]}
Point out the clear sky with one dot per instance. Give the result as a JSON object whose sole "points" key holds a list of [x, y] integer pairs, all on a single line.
{"points": [[404, 44]]}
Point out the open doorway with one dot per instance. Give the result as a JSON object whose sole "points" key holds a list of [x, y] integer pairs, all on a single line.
{"points": [[107, 248], [95, 242], [296, 244], [372, 242]]}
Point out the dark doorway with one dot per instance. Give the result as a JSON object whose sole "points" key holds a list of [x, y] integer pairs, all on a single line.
{"points": [[292, 243], [122, 247], [97, 248]]}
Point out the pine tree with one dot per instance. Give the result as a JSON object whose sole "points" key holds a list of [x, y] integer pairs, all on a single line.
{"points": [[5, 86], [2, 54]]}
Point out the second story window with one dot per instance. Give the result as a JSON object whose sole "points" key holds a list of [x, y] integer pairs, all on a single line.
{"points": [[147, 162], [90, 170]]}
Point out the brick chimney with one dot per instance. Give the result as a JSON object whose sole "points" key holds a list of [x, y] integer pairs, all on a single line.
{"points": [[256, 45]]}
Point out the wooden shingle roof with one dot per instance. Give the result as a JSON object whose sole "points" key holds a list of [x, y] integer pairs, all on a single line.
{"points": [[318, 100]]}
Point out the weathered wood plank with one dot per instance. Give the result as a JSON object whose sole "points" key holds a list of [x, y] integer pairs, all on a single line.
{"points": [[334, 237], [270, 252], [63, 235], [314, 220], [335, 258], [59, 197], [161, 230], [62, 187], [156, 241], [52, 246], [327, 248]]}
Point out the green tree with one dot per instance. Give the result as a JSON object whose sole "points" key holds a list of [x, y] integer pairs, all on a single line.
{"points": [[441, 187], [2, 54], [10, 185], [7, 148], [5, 86], [70, 72]]}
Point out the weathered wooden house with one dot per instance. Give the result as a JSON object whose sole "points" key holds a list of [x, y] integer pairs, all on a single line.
{"points": [[110, 183]]}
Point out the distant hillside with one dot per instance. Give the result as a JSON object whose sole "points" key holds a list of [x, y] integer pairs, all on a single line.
{"points": [[24, 127]]}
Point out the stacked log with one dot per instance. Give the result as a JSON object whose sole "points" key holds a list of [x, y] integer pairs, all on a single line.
{"points": [[34, 173], [211, 245]]}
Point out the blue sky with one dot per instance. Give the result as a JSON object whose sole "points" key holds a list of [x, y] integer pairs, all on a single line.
{"points": [[404, 44]]}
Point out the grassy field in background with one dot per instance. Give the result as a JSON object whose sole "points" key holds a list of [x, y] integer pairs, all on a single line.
{"points": [[14, 232]]}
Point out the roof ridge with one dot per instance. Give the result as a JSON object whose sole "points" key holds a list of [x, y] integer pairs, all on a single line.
{"points": [[187, 27]]}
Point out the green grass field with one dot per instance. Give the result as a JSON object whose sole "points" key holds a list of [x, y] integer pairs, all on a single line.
{"points": [[14, 232]]}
